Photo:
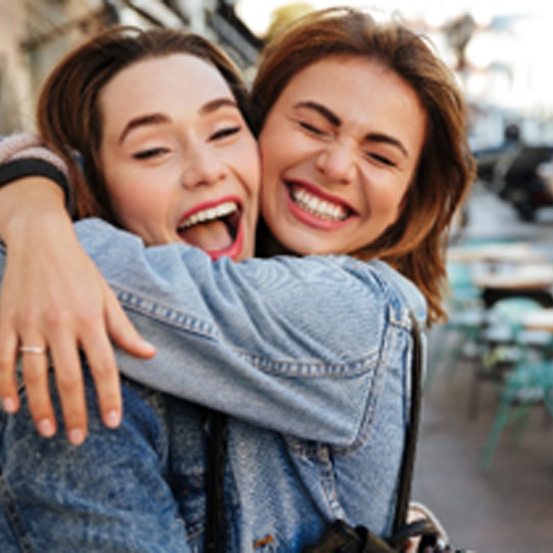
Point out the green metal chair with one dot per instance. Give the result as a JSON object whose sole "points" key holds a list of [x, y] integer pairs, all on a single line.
{"points": [[525, 374], [466, 315], [530, 384], [504, 344]]}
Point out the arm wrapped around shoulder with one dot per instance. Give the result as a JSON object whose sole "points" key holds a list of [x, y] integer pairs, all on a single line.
{"points": [[25, 155]]}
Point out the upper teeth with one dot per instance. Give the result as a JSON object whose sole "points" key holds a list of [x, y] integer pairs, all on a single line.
{"points": [[209, 214], [317, 206]]}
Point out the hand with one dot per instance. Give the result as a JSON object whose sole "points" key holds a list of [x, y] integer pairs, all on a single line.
{"points": [[53, 296]]}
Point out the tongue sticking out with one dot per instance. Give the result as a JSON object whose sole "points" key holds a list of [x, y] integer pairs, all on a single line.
{"points": [[211, 236]]}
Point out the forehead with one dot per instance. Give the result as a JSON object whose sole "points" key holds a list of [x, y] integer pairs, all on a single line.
{"points": [[363, 93], [361, 78], [176, 81]]}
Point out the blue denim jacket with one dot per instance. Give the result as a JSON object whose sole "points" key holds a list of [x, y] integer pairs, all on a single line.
{"points": [[309, 357]]}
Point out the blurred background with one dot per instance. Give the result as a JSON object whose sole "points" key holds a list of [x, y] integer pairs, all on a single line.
{"points": [[485, 460]]}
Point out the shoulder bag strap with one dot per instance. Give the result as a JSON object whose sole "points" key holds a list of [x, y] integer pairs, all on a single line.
{"points": [[409, 452]]}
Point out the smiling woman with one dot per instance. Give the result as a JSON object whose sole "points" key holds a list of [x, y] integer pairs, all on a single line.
{"points": [[179, 170], [336, 165]]}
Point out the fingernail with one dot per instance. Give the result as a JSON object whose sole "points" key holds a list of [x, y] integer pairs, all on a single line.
{"points": [[8, 404], [76, 436], [149, 345], [113, 419], [46, 428]]}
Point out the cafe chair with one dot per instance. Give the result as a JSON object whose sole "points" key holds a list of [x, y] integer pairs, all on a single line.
{"points": [[528, 385], [466, 315], [503, 344]]}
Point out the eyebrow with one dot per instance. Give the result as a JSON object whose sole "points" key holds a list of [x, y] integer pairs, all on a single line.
{"points": [[330, 116], [334, 120], [160, 118], [143, 121]]}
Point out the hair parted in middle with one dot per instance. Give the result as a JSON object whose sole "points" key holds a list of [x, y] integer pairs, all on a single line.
{"points": [[415, 243], [68, 113]]}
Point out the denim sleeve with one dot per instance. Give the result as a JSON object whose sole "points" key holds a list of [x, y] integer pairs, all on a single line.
{"points": [[291, 344]]}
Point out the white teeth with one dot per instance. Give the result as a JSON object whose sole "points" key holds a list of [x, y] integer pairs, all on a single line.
{"points": [[209, 214], [321, 208]]}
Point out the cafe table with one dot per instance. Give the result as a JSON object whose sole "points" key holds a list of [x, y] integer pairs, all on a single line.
{"points": [[509, 252], [533, 276], [540, 319]]}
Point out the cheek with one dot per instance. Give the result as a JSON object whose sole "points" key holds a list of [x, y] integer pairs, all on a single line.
{"points": [[250, 160], [132, 200], [386, 196]]}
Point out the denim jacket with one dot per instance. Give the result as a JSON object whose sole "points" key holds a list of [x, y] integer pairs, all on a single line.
{"points": [[310, 359]]}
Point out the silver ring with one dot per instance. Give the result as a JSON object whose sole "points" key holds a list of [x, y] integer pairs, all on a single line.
{"points": [[36, 350]]}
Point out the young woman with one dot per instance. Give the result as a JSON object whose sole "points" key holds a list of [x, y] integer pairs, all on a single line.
{"points": [[317, 391]]}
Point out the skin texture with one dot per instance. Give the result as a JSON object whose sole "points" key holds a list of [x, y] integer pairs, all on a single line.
{"points": [[165, 159], [344, 137]]}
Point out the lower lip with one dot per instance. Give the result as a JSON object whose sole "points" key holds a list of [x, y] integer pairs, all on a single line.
{"points": [[234, 250], [311, 220]]}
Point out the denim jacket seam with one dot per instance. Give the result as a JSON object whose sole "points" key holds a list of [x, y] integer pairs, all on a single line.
{"points": [[167, 315], [192, 323], [314, 368], [364, 428], [320, 456]]}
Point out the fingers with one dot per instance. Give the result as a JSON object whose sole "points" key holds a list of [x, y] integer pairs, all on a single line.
{"points": [[106, 378], [70, 385], [123, 332], [8, 382], [35, 376]]}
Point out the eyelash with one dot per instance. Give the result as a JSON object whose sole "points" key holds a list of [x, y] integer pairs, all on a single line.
{"points": [[381, 159], [147, 154], [311, 128], [224, 133]]}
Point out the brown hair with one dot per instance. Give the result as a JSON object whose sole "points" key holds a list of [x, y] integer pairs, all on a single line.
{"points": [[68, 113], [415, 243]]}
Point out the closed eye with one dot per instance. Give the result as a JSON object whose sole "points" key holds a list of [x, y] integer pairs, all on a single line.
{"points": [[150, 153], [311, 128], [224, 133], [381, 159]]}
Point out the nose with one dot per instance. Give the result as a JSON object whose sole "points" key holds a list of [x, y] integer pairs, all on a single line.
{"points": [[337, 162], [201, 167]]}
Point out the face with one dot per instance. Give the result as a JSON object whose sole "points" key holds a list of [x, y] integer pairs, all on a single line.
{"points": [[179, 161], [339, 149]]}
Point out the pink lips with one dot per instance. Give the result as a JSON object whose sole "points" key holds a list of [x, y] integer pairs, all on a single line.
{"points": [[310, 219]]}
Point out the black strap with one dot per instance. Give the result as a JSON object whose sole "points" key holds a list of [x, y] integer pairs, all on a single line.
{"points": [[409, 452], [31, 167], [215, 530]]}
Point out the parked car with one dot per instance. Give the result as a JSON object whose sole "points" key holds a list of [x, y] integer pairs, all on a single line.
{"points": [[512, 171]]}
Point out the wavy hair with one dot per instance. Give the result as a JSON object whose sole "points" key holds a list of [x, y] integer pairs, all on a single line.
{"points": [[415, 243], [68, 112]]}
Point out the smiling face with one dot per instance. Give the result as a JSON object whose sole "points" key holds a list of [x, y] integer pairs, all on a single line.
{"points": [[339, 149], [179, 161]]}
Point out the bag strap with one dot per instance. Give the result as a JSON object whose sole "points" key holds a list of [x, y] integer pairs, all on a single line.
{"points": [[217, 449], [409, 452]]}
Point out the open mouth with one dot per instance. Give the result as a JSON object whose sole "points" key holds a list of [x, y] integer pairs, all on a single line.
{"points": [[320, 207], [215, 229]]}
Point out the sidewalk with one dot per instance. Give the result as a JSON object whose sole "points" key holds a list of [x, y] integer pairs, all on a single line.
{"points": [[507, 509]]}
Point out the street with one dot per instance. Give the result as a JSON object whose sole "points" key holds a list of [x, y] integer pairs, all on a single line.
{"points": [[508, 508]]}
